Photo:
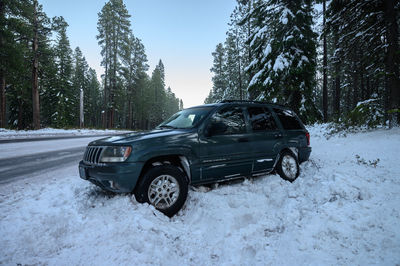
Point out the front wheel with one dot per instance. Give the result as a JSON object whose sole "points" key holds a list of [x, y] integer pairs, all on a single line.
{"points": [[165, 187], [288, 166]]}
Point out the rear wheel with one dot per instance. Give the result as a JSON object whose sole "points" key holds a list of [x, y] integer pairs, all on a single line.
{"points": [[165, 187], [288, 166]]}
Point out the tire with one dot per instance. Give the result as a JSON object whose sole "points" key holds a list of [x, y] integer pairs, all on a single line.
{"points": [[165, 187], [288, 166]]}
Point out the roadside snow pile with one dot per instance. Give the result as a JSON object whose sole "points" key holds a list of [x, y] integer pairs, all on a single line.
{"points": [[53, 132], [343, 209]]}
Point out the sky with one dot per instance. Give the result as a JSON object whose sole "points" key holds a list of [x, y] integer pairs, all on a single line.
{"points": [[182, 33]]}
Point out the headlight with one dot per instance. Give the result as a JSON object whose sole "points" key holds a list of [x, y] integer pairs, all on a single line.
{"points": [[112, 154]]}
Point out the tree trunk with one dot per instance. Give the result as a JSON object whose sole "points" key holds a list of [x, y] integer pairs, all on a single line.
{"points": [[20, 124], [3, 122], [336, 105], [104, 113], [35, 70], [337, 90], [129, 122], [392, 61], [355, 88], [325, 66], [362, 84]]}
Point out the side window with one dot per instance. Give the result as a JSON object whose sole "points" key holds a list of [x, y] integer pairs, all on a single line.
{"points": [[261, 119], [228, 121], [288, 119]]}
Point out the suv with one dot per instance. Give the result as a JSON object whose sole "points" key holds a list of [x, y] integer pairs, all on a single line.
{"points": [[199, 145]]}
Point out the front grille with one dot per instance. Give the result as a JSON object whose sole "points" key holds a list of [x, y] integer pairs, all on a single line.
{"points": [[92, 154]]}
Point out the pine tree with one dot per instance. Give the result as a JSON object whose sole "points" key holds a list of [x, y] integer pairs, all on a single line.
{"points": [[180, 104], [134, 59], [92, 99], [48, 85], [233, 70], [240, 31], [12, 51], [284, 63], [24, 35], [113, 26], [365, 35], [67, 95], [159, 95], [219, 78], [324, 68]]}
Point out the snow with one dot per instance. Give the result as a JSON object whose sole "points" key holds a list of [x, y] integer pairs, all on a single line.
{"points": [[267, 81], [286, 13], [366, 102], [259, 33], [256, 77], [304, 58], [267, 50], [342, 210], [280, 63]]}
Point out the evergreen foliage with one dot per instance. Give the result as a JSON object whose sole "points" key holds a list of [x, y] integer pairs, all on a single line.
{"points": [[35, 68], [230, 79], [278, 44], [284, 63]]}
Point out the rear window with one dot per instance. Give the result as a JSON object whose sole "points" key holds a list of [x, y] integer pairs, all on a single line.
{"points": [[261, 119], [288, 119]]}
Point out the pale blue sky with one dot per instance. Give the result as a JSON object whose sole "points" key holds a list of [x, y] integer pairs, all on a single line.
{"points": [[183, 34]]}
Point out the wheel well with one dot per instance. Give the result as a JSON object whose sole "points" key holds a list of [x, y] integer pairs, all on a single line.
{"points": [[175, 160], [291, 150]]}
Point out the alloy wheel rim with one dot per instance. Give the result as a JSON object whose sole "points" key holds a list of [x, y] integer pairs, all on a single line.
{"points": [[289, 166], [163, 191]]}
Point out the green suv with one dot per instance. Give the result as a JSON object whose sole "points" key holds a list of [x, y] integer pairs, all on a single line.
{"points": [[199, 145]]}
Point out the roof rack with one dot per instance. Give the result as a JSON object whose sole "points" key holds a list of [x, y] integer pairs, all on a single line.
{"points": [[246, 101]]}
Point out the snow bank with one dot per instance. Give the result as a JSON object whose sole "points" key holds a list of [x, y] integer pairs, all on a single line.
{"points": [[341, 210]]}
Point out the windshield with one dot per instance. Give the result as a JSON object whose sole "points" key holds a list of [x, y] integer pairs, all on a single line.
{"points": [[186, 118]]}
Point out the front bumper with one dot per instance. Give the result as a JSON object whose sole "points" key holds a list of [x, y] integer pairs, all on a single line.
{"points": [[115, 177]]}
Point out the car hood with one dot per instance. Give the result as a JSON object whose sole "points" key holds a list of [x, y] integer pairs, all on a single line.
{"points": [[136, 136]]}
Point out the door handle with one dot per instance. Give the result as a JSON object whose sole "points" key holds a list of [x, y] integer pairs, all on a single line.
{"points": [[243, 140], [278, 135]]}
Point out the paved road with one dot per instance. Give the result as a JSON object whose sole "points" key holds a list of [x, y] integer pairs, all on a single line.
{"points": [[51, 138], [22, 158], [23, 166]]}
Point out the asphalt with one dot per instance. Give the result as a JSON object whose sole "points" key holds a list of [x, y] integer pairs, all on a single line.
{"points": [[15, 168], [23, 166], [51, 138]]}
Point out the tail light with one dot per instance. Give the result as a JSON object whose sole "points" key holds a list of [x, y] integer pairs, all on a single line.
{"points": [[308, 138]]}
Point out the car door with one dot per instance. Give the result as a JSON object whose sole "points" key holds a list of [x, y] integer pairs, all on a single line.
{"points": [[266, 140], [294, 131], [225, 150]]}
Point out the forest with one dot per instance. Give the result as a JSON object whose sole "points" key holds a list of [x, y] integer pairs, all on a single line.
{"points": [[330, 61], [41, 76]]}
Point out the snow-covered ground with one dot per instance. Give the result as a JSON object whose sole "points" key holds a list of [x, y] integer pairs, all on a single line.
{"points": [[53, 132], [344, 209]]}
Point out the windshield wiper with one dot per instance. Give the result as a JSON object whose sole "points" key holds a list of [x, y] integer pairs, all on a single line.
{"points": [[167, 126]]}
